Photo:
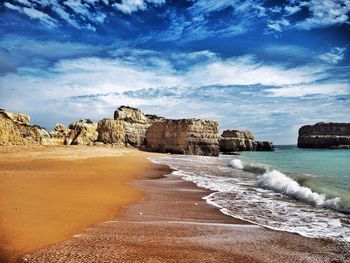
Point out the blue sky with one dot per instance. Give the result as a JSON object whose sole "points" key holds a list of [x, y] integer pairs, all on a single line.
{"points": [[267, 66]]}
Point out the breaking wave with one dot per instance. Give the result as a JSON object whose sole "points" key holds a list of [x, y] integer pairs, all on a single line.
{"points": [[281, 183], [235, 163]]}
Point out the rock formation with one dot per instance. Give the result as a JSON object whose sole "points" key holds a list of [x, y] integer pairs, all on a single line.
{"points": [[130, 127], [111, 132], [135, 124], [235, 140], [82, 132], [15, 130], [325, 135], [186, 136], [59, 135]]}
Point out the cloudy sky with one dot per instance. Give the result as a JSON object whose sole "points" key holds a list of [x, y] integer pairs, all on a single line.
{"points": [[268, 66]]}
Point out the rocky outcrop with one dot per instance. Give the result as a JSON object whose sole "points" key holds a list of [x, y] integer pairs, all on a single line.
{"points": [[131, 115], [111, 132], [15, 130], [82, 132], [20, 118], [236, 140], [186, 136], [135, 124], [325, 135], [59, 135], [131, 127]]}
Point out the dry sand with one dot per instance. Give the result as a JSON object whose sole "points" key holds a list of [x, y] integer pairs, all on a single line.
{"points": [[48, 194]]}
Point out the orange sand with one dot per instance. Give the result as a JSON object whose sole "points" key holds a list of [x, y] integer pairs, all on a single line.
{"points": [[48, 194]]}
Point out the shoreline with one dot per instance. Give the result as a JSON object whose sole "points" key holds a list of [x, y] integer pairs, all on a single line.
{"points": [[173, 223]]}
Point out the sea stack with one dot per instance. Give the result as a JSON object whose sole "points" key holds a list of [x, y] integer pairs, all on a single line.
{"points": [[325, 135], [236, 140]]}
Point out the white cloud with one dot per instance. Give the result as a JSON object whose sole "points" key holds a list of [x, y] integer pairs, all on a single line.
{"points": [[334, 56], [292, 9], [11, 6], [24, 2], [130, 6], [322, 13], [78, 77], [78, 7], [43, 17], [325, 13], [311, 89], [278, 25]]}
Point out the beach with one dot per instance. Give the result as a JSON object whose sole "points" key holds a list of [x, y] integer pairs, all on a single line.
{"points": [[139, 213], [48, 194]]}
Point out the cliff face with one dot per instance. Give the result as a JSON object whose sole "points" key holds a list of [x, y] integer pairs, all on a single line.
{"points": [[135, 124], [82, 132], [15, 130], [186, 136], [325, 135], [235, 140], [111, 132], [131, 127]]}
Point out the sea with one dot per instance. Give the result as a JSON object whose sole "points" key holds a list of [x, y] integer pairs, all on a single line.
{"points": [[305, 191]]}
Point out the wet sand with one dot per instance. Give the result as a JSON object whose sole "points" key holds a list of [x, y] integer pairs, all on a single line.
{"points": [[48, 194], [173, 224]]}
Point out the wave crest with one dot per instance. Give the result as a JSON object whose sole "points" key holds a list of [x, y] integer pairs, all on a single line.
{"points": [[235, 163], [256, 169], [281, 183]]}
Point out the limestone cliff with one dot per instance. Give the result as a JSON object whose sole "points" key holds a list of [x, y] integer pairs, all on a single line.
{"points": [[236, 140], [325, 135], [59, 135], [15, 130], [82, 132], [135, 124], [185, 136], [111, 132]]}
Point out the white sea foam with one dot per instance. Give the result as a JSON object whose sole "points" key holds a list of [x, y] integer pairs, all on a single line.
{"points": [[281, 183], [236, 163], [263, 198]]}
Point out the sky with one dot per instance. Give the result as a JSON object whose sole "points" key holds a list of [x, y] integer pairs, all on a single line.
{"points": [[266, 66]]}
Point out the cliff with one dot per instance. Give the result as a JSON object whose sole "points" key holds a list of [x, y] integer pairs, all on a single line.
{"points": [[15, 130], [236, 140], [135, 124], [111, 132], [131, 127], [325, 135], [185, 136]]}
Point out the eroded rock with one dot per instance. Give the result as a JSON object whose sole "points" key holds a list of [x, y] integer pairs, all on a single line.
{"points": [[135, 124], [15, 130], [325, 135], [82, 132], [185, 136], [111, 132], [236, 140], [59, 135]]}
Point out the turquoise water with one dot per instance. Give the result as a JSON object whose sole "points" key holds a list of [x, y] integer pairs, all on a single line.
{"points": [[324, 171]]}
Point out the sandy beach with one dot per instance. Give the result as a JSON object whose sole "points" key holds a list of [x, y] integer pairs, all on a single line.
{"points": [[119, 208], [48, 194]]}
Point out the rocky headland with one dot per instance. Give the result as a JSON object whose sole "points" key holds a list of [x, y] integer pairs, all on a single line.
{"points": [[325, 135], [130, 127]]}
